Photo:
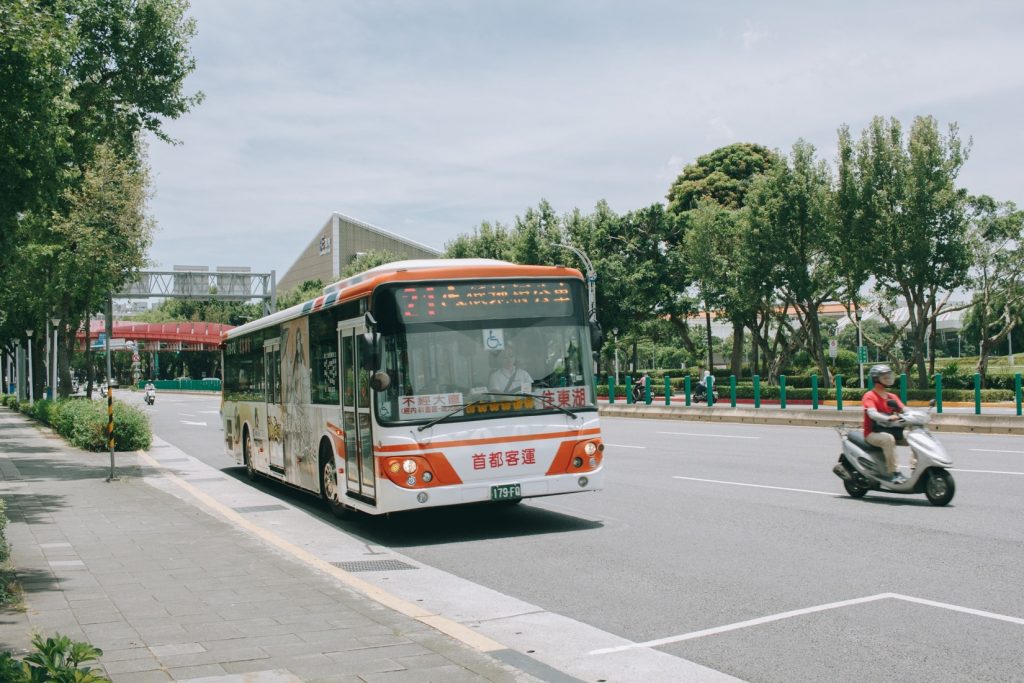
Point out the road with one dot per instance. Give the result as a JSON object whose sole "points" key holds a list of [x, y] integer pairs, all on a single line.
{"points": [[734, 546]]}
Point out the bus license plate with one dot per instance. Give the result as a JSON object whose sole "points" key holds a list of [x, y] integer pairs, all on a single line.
{"points": [[507, 492]]}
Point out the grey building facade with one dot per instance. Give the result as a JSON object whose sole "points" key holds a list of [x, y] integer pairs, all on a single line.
{"points": [[338, 242]]}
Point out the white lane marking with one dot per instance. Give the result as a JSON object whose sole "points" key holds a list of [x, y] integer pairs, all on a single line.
{"points": [[992, 450], [761, 486], [742, 624], [957, 608], [197, 424], [716, 436], [957, 469], [807, 610], [619, 445], [209, 412]]}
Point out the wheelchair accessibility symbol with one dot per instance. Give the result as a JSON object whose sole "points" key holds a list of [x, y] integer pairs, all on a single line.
{"points": [[494, 340]]}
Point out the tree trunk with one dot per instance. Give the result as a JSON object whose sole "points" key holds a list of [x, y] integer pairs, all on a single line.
{"points": [[737, 349]]}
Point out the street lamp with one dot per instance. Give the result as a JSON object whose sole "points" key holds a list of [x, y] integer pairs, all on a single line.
{"points": [[56, 324], [31, 397], [591, 278], [860, 343]]}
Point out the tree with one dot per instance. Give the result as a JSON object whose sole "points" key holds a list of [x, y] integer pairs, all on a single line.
{"points": [[792, 223], [910, 216], [997, 278], [722, 177]]}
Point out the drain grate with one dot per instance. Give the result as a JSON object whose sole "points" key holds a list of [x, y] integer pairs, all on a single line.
{"points": [[372, 565], [260, 508]]}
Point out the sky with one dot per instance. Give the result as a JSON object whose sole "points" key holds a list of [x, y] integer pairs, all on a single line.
{"points": [[429, 118]]}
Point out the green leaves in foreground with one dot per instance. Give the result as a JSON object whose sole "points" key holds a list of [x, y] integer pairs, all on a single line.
{"points": [[55, 659]]}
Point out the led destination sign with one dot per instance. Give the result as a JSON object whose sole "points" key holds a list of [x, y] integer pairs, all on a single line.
{"points": [[484, 300]]}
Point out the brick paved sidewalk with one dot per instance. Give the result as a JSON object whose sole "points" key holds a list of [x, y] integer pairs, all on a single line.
{"points": [[170, 592]]}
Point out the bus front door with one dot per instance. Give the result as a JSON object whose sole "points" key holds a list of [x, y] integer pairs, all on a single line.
{"points": [[356, 417], [275, 436]]}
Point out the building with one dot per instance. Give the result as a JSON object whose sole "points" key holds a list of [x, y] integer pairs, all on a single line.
{"points": [[338, 243]]}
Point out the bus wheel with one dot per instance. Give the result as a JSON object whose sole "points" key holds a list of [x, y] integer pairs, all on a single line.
{"points": [[329, 481], [250, 470]]}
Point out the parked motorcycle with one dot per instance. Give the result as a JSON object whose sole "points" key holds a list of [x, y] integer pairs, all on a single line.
{"points": [[862, 466]]}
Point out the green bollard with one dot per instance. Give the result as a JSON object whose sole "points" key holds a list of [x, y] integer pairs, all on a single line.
{"points": [[814, 392], [977, 393], [629, 390], [938, 392], [782, 391], [757, 391], [647, 390], [710, 390], [732, 390], [839, 392], [611, 389], [903, 388], [668, 391], [1016, 390], [686, 388]]}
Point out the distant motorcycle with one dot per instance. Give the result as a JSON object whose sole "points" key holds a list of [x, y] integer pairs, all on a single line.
{"points": [[700, 394], [150, 396]]}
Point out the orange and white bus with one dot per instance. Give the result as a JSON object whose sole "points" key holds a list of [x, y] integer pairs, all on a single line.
{"points": [[419, 384]]}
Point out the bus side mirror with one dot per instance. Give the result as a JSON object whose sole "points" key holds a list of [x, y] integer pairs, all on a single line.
{"points": [[596, 336], [369, 351], [379, 381], [369, 345]]}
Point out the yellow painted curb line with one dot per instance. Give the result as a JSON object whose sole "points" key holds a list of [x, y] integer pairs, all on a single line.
{"points": [[451, 628]]}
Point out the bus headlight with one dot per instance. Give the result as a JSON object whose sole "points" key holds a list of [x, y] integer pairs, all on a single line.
{"points": [[411, 481], [428, 477], [590, 448], [409, 466]]}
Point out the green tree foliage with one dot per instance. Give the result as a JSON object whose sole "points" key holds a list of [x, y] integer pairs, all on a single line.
{"points": [[901, 200], [792, 224], [80, 80], [723, 176], [997, 277], [366, 261]]}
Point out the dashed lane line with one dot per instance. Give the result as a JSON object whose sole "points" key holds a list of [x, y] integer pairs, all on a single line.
{"points": [[714, 436], [761, 486]]}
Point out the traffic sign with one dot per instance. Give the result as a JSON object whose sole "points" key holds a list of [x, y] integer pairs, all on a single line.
{"points": [[833, 348], [862, 354]]}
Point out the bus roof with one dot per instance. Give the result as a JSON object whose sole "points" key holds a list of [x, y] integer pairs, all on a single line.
{"points": [[404, 271]]}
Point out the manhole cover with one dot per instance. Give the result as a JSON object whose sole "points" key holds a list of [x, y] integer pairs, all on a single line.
{"points": [[372, 565]]}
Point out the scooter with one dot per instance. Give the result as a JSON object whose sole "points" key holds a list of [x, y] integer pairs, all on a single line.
{"points": [[862, 467], [700, 394], [150, 396]]}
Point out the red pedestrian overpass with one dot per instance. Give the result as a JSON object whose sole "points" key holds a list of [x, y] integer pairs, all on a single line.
{"points": [[178, 336]]}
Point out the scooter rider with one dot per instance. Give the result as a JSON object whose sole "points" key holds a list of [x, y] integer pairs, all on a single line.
{"points": [[879, 416]]}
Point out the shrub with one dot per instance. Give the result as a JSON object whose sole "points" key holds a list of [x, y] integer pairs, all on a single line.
{"points": [[84, 424], [55, 659], [6, 574], [42, 410]]}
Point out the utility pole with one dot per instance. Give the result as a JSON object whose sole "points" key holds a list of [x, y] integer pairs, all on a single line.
{"points": [[110, 388]]}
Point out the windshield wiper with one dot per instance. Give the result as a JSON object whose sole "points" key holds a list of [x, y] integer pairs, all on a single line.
{"points": [[543, 398], [444, 417]]}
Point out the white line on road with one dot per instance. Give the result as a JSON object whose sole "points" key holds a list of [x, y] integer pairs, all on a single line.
{"points": [[197, 424], [761, 486], [807, 610], [957, 469], [620, 445], [992, 450], [717, 436], [209, 412]]}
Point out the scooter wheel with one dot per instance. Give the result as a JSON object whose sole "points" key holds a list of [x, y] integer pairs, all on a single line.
{"points": [[940, 487], [854, 489]]}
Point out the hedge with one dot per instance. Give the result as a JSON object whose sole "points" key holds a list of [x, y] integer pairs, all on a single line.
{"points": [[84, 423]]}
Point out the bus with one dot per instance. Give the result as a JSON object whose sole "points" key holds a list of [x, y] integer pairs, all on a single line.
{"points": [[419, 384]]}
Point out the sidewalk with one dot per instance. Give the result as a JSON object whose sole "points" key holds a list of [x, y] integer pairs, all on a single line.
{"points": [[173, 592]]}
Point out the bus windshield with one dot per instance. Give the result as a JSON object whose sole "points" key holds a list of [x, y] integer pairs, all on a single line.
{"points": [[496, 367]]}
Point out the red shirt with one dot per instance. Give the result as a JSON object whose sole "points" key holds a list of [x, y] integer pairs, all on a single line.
{"points": [[873, 400]]}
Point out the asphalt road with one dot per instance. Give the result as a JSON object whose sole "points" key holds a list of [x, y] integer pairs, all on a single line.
{"points": [[734, 546]]}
